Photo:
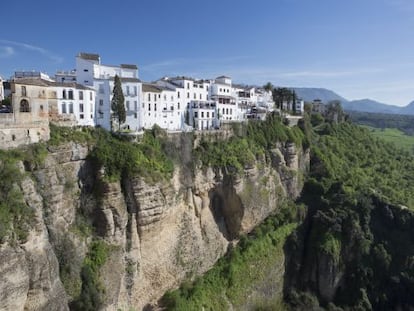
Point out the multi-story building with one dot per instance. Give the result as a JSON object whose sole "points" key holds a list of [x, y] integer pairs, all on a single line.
{"points": [[161, 106], [221, 92], [90, 72], [203, 115], [75, 101]]}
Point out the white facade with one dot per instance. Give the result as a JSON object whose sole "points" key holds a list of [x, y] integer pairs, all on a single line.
{"points": [[90, 72], [203, 115], [161, 106], [1, 89], [77, 101], [221, 92]]}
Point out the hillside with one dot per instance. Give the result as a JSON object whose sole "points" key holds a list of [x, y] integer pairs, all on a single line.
{"points": [[362, 105]]}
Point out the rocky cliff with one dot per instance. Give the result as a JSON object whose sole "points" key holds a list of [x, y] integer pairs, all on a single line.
{"points": [[156, 233]]}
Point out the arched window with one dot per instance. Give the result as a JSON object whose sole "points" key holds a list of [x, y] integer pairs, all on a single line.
{"points": [[24, 106]]}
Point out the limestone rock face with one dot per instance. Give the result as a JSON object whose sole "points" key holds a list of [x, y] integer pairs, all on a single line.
{"points": [[160, 233]]}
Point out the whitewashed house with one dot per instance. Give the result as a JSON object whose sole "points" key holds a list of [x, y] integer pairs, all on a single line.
{"points": [[90, 72], [203, 115], [161, 106], [221, 93], [75, 101]]}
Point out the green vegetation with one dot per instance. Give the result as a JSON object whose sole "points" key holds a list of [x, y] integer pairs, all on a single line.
{"points": [[404, 123], [395, 136], [15, 216], [118, 156], [356, 228], [349, 155], [118, 103], [238, 273], [82, 135], [92, 293], [241, 151]]}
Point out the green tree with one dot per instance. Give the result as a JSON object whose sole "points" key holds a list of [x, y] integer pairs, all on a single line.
{"points": [[117, 103], [268, 86]]}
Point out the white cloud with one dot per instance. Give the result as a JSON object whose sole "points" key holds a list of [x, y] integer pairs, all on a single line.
{"points": [[6, 51], [46, 53]]}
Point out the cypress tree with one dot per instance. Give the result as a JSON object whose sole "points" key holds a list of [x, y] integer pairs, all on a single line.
{"points": [[118, 103]]}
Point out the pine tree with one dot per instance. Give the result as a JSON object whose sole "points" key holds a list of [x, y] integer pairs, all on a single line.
{"points": [[118, 103]]}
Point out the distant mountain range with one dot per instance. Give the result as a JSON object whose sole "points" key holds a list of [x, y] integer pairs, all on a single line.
{"points": [[364, 105]]}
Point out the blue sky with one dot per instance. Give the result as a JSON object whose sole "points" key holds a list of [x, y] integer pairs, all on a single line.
{"points": [[358, 48]]}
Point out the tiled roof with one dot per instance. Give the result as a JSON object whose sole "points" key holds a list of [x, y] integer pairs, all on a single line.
{"points": [[128, 66], [147, 87], [89, 56]]}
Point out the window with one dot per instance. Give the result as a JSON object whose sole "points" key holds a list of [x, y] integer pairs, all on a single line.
{"points": [[101, 115], [24, 106], [195, 96], [64, 94], [208, 114], [101, 89], [188, 85], [202, 114], [80, 107], [155, 97], [227, 110], [127, 90], [231, 111], [220, 89], [223, 110], [24, 91], [171, 107], [200, 96], [178, 106], [155, 107], [64, 108], [70, 107], [212, 114], [149, 97], [195, 114], [90, 96], [101, 102], [80, 95], [149, 107], [178, 94], [135, 105], [207, 87], [127, 105], [85, 70], [81, 116], [136, 115], [135, 90], [70, 94], [188, 94], [172, 98]]}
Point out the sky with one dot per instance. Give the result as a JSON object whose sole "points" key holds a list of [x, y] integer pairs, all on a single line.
{"points": [[357, 48]]}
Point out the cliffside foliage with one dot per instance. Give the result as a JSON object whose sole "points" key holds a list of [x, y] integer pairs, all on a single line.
{"points": [[92, 294], [241, 271], [118, 156], [15, 216], [356, 248], [249, 143]]}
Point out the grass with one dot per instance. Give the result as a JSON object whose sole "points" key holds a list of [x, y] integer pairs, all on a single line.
{"points": [[395, 136]]}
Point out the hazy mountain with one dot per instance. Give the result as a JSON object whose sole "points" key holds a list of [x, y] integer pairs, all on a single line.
{"points": [[309, 94], [363, 105], [369, 105]]}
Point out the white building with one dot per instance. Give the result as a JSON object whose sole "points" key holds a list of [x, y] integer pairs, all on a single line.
{"points": [[76, 101], [203, 115], [1, 89], [161, 106], [221, 92], [90, 72]]}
